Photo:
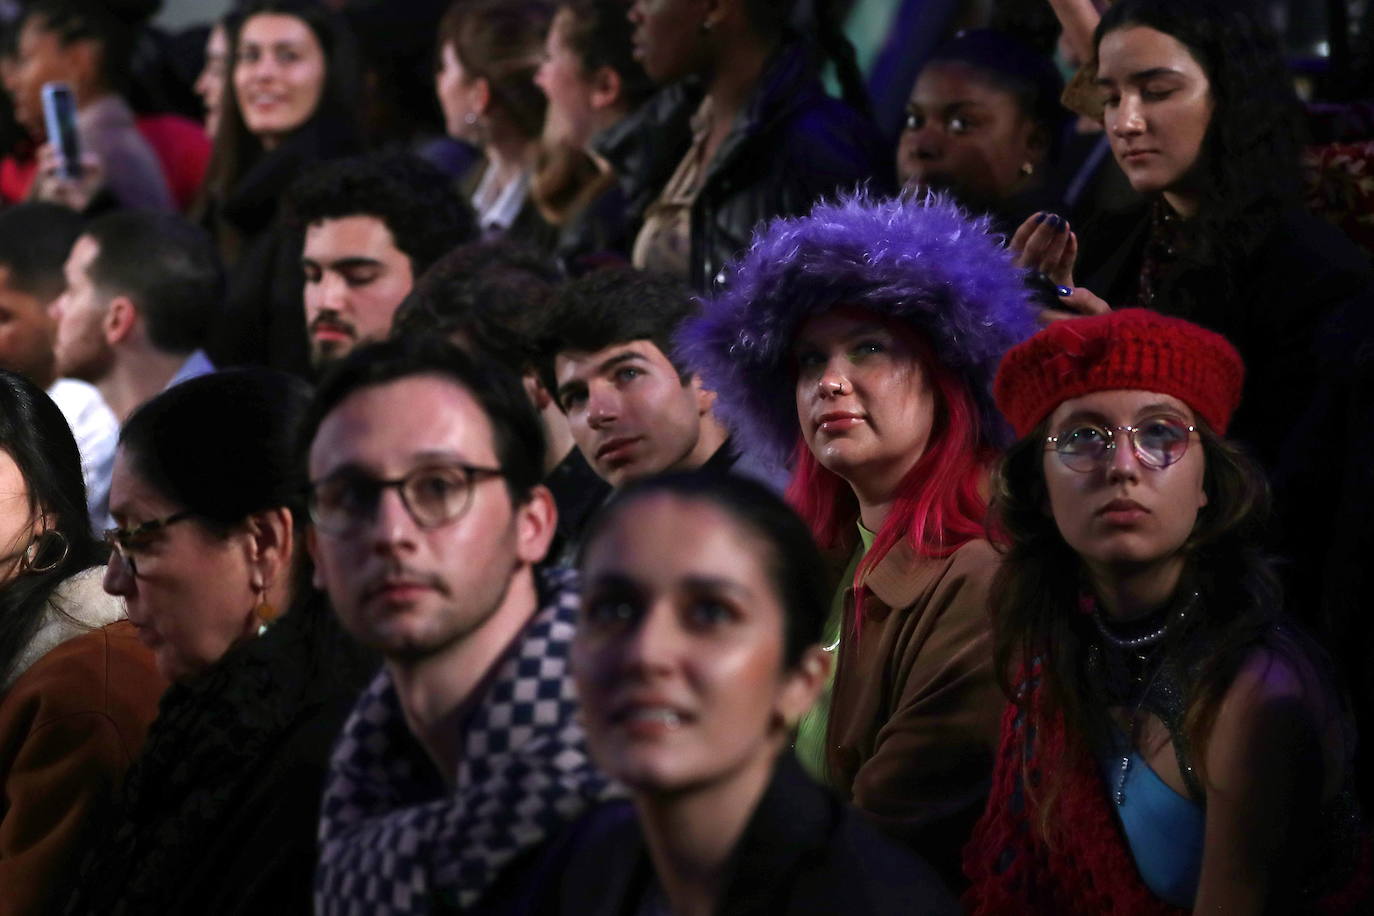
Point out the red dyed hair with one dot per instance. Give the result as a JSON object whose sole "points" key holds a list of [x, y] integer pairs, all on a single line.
{"points": [[941, 503]]}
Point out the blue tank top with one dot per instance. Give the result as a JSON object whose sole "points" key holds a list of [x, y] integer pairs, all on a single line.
{"points": [[1164, 829]]}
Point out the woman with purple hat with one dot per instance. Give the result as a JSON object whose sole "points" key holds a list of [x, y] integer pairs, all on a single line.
{"points": [[1172, 743], [858, 343]]}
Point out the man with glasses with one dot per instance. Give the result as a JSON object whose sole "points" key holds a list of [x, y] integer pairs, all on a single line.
{"points": [[463, 758]]}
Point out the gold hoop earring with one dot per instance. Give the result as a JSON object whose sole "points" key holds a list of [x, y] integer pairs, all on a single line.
{"points": [[39, 545]]}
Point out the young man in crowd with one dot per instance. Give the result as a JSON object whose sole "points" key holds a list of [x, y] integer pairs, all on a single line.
{"points": [[464, 757], [493, 298], [372, 225], [142, 290], [632, 410], [35, 239]]}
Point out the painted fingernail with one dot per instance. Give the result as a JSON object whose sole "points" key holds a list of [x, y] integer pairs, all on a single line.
{"points": [[1040, 217], [1064, 290], [1055, 221]]}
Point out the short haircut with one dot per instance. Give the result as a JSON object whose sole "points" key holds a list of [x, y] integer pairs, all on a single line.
{"points": [[35, 239], [418, 203], [517, 433], [167, 267], [495, 296], [793, 563], [615, 306]]}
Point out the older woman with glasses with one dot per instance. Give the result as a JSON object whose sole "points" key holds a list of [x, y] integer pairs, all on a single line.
{"points": [[1172, 741], [222, 806]]}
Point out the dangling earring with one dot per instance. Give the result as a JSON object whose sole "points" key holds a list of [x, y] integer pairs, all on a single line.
{"points": [[1027, 170], [39, 545], [266, 612]]}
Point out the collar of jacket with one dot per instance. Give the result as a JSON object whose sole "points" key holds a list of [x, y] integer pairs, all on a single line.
{"points": [[900, 577]]}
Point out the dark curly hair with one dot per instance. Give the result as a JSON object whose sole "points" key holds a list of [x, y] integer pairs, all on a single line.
{"points": [[1248, 168], [427, 217]]}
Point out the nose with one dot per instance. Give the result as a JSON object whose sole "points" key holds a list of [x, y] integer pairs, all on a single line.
{"points": [[635, 15], [603, 406], [834, 381], [393, 529], [656, 641], [1130, 118], [119, 579], [541, 76], [333, 291], [1122, 463]]}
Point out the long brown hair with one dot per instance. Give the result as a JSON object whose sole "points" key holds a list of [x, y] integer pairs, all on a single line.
{"points": [[1036, 591], [502, 41]]}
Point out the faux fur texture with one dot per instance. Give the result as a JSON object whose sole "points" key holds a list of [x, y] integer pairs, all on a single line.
{"points": [[926, 261]]}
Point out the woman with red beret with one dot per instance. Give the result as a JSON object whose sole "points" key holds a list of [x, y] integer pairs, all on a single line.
{"points": [[1172, 742]]}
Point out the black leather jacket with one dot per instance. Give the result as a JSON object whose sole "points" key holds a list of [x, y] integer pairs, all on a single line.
{"points": [[792, 145]]}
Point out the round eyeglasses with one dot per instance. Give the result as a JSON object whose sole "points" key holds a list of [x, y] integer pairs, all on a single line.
{"points": [[1157, 442], [345, 502]]}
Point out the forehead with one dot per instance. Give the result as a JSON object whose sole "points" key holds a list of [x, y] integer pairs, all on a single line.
{"points": [[387, 428], [349, 237], [580, 365], [276, 28], [948, 81], [663, 537], [1120, 407], [1136, 49], [845, 321]]}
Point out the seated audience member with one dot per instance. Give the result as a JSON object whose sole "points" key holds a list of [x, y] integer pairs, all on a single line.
{"points": [[142, 289], [292, 102], [35, 239], [494, 298], [1172, 741], [489, 52], [77, 691], [219, 812], [984, 122], [765, 139], [697, 650], [593, 84], [632, 408], [88, 45], [372, 226], [464, 756], [213, 80], [1220, 239], [859, 342]]}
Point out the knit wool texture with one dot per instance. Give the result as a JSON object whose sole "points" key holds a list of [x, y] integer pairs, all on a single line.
{"points": [[1129, 349], [924, 261]]}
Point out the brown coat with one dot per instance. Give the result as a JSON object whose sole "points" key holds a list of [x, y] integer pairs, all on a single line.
{"points": [[69, 728], [916, 709]]}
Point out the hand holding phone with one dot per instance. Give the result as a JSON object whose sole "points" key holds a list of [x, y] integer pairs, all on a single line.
{"points": [[59, 114]]}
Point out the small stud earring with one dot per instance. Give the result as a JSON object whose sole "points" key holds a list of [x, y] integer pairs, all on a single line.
{"points": [[1027, 170]]}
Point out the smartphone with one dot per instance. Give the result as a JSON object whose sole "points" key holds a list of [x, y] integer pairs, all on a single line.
{"points": [[59, 113]]}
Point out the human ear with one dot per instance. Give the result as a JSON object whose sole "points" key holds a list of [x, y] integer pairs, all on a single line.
{"points": [[121, 315], [802, 685], [481, 95], [536, 520], [270, 538], [706, 398], [606, 88]]}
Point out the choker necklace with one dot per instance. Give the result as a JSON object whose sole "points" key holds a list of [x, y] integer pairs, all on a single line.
{"points": [[1145, 640], [1151, 641]]}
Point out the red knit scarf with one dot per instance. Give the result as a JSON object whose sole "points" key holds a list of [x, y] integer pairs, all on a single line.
{"points": [[1089, 868]]}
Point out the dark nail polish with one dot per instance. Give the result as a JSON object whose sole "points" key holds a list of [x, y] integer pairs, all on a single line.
{"points": [[1055, 222], [1064, 290], [1040, 217]]}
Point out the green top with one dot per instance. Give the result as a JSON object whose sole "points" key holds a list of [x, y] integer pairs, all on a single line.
{"points": [[810, 741]]}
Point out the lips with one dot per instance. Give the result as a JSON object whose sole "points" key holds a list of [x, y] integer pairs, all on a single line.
{"points": [[838, 421], [1122, 512], [649, 717], [618, 450], [332, 331], [1136, 155]]}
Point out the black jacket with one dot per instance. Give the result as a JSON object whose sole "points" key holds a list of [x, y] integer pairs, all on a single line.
{"points": [[220, 812], [792, 145], [803, 853]]}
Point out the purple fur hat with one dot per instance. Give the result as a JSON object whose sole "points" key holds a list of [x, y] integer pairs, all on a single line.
{"points": [[925, 260]]}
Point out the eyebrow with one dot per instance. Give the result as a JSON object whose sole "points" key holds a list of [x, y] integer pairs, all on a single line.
{"points": [[346, 263], [626, 357], [1140, 76], [858, 330], [615, 579], [1147, 411], [417, 460]]}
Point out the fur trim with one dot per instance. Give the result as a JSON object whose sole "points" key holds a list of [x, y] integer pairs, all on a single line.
{"points": [[77, 606], [925, 260]]}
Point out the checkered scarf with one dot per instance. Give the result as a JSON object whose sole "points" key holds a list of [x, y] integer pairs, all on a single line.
{"points": [[389, 845]]}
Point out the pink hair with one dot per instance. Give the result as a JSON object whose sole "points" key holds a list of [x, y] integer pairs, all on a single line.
{"points": [[941, 503]]}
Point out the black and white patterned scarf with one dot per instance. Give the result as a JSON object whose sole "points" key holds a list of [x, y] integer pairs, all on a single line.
{"points": [[390, 845]]}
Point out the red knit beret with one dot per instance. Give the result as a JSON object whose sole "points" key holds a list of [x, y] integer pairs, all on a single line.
{"points": [[1132, 349]]}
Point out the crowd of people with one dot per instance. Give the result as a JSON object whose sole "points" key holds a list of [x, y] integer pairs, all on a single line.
{"points": [[537, 457]]}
